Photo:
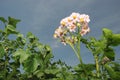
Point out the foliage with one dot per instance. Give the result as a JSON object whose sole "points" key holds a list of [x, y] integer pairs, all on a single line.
{"points": [[104, 54], [26, 51], [25, 58]]}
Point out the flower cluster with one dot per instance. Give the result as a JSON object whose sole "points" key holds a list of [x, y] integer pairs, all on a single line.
{"points": [[70, 26]]}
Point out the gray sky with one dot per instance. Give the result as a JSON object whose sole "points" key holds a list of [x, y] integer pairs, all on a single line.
{"points": [[42, 17]]}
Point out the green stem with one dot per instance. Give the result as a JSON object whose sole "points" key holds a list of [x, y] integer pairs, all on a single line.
{"points": [[80, 58], [6, 62], [97, 66], [78, 49], [96, 62], [77, 52]]}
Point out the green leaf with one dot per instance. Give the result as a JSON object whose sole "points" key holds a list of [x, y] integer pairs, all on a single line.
{"points": [[116, 66], [1, 31], [39, 73], [13, 21], [89, 67], [40, 47], [3, 19], [110, 70], [51, 71], [40, 60], [20, 39], [30, 35], [2, 52], [23, 55], [117, 76], [31, 64], [97, 46], [112, 39], [109, 52], [115, 41], [47, 58], [48, 48], [78, 68], [11, 29], [107, 33], [20, 35], [18, 53]]}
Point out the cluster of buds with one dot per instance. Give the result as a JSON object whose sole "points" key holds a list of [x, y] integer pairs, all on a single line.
{"points": [[70, 26]]}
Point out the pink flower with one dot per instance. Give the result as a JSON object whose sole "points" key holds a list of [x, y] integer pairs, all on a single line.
{"points": [[71, 27], [58, 32], [84, 18], [74, 15], [69, 19], [84, 30], [64, 22]]}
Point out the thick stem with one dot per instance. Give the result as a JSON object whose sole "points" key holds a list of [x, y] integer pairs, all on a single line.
{"points": [[97, 66], [78, 50], [80, 58]]}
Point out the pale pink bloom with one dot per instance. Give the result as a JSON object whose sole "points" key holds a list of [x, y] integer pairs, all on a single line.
{"points": [[88, 30], [69, 19], [84, 17], [64, 22], [59, 32], [74, 15], [71, 27], [84, 31]]}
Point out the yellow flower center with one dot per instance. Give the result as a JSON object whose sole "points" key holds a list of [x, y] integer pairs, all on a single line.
{"points": [[63, 23], [81, 19], [74, 16]]}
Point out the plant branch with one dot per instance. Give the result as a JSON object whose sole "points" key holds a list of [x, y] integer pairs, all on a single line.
{"points": [[97, 66]]}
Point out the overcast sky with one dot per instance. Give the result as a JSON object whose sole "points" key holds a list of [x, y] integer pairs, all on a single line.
{"points": [[42, 17]]}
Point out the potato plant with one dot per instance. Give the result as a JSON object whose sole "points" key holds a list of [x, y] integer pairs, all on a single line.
{"points": [[24, 57]]}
